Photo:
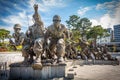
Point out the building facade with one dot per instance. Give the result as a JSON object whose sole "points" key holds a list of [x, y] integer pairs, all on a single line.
{"points": [[111, 34], [106, 39], [117, 33]]}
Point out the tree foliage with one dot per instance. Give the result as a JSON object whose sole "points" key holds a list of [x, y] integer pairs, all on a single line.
{"points": [[84, 25], [96, 31], [79, 26], [4, 34], [72, 23]]}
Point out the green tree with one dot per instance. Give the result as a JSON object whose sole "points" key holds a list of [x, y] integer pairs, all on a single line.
{"points": [[96, 31], [79, 26], [72, 23], [84, 25], [105, 33], [4, 34]]}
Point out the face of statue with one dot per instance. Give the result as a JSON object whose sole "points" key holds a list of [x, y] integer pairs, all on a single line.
{"points": [[36, 19], [17, 30], [56, 22]]}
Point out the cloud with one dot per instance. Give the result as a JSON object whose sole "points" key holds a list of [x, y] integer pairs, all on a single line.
{"points": [[94, 22], [23, 15], [57, 3], [21, 18], [106, 5], [46, 5], [10, 27], [105, 20], [13, 19], [82, 11], [108, 20]]}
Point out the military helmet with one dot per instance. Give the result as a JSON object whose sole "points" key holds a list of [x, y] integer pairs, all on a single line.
{"points": [[17, 26], [56, 18]]}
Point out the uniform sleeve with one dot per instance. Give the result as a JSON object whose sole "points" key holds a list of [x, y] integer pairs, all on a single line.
{"points": [[47, 33], [13, 35], [22, 35], [63, 26], [65, 30]]}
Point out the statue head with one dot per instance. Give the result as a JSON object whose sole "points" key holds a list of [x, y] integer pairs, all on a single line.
{"points": [[56, 19], [17, 28]]}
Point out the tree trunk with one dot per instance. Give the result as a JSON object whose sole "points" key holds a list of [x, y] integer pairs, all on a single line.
{"points": [[95, 42]]}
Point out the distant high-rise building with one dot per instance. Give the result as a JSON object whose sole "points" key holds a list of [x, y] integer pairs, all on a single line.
{"points": [[117, 33], [110, 31]]}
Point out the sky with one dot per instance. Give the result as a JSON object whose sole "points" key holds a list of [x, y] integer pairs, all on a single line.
{"points": [[100, 12]]}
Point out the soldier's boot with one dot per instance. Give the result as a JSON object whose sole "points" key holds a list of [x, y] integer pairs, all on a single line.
{"points": [[54, 59], [60, 60], [37, 62], [31, 60], [60, 56], [60, 51], [25, 55], [25, 61]]}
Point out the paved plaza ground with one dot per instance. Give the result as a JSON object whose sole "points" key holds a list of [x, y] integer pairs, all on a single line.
{"points": [[97, 72], [85, 72]]}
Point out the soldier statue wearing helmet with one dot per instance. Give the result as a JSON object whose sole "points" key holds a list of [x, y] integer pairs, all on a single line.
{"points": [[56, 33], [20, 39], [17, 35], [17, 26]]}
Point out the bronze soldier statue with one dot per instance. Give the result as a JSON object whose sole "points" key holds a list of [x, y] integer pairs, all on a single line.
{"points": [[85, 50], [71, 51], [84, 47], [105, 53], [56, 33], [36, 35], [20, 40], [17, 35]]}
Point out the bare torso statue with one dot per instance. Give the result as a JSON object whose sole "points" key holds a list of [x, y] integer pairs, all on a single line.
{"points": [[37, 28], [36, 35]]}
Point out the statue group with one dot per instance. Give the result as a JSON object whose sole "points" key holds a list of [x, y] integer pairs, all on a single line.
{"points": [[39, 43]]}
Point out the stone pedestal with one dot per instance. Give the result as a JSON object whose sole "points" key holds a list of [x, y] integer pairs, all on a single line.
{"points": [[26, 72]]}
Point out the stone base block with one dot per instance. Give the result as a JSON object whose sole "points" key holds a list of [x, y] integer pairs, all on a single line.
{"points": [[70, 75], [26, 72]]}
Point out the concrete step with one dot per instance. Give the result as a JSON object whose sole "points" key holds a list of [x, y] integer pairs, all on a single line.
{"points": [[95, 62]]}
